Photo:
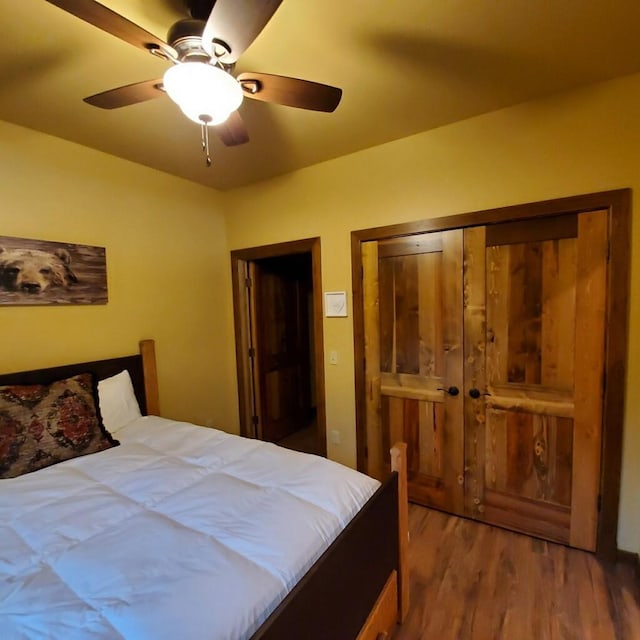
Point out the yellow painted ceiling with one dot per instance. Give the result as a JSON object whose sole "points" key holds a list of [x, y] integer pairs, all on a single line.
{"points": [[405, 66]]}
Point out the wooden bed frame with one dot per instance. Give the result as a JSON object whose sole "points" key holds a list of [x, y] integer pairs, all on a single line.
{"points": [[359, 588]]}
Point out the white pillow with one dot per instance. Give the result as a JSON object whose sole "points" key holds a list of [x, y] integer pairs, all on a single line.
{"points": [[118, 404]]}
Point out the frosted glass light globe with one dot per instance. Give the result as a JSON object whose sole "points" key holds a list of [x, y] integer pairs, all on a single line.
{"points": [[206, 94]]}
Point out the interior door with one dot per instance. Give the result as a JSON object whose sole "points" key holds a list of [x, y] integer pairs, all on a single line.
{"points": [[280, 296], [534, 361], [413, 361]]}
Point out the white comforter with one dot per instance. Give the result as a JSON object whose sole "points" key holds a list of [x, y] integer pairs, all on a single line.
{"points": [[180, 532]]}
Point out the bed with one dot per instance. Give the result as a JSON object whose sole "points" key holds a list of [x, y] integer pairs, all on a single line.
{"points": [[183, 531]]}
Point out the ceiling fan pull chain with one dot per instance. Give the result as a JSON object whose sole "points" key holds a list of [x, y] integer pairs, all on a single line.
{"points": [[205, 143]]}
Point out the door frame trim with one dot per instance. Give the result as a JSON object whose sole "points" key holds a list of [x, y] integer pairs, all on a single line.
{"points": [[618, 203], [240, 258]]}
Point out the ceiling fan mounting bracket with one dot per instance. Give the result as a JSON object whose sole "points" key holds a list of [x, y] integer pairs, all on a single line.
{"points": [[200, 9], [159, 52]]}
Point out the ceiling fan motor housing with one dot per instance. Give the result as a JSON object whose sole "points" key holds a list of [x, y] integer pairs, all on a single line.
{"points": [[185, 36]]}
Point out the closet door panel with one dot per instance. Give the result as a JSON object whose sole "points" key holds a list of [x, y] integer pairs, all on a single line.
{"points": [[533, 434], [413, 357]]}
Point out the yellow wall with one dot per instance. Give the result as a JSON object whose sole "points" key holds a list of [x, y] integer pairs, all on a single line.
{"points": [[167, 243], [581, 142], [167, 265]]}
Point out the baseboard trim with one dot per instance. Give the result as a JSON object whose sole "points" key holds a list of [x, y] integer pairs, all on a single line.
{"points": [[630, 558]]}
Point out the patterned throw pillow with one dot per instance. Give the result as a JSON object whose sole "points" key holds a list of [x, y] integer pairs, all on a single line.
{"points": [[44, 424]]}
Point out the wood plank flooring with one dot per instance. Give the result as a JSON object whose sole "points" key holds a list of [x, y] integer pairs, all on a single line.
{"points": [[470, 581]]}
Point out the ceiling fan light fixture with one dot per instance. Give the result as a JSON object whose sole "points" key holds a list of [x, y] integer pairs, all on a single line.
{"points": [[201, 116], [205, 94]]}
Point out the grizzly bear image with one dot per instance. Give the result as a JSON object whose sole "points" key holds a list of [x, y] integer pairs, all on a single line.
{"points": [[33, 271]]}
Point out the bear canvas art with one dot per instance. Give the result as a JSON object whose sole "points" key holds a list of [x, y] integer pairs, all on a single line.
{"points": [[33, 271], [40, 272]]}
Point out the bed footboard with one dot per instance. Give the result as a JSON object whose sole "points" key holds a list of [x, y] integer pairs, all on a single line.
{"points": [[358, 587]]}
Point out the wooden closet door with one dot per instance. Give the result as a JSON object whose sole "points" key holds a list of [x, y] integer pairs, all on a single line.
{"points": [[535, 302], [412, 288]]}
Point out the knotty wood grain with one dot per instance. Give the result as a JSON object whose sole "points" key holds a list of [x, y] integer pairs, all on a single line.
{"points": [[474, 368], [497, 347], [372, 342], [524, 313], [558, 302], [429, 316], [591, 301], [452, 417], [406, 314]]}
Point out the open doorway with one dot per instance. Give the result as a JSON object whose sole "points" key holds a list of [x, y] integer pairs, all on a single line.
{"points": [[279, 347]]}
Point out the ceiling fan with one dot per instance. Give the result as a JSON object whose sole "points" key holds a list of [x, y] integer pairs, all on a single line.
{"points": [[203, 50]]}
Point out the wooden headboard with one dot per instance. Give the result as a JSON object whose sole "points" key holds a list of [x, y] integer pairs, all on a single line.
{"points": [[141, 367]]}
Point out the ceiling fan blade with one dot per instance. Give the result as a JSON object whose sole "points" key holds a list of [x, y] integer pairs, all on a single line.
{"points": [[237, 24], [104, 18], [293, 92], [233, 130], [130, 94]]}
